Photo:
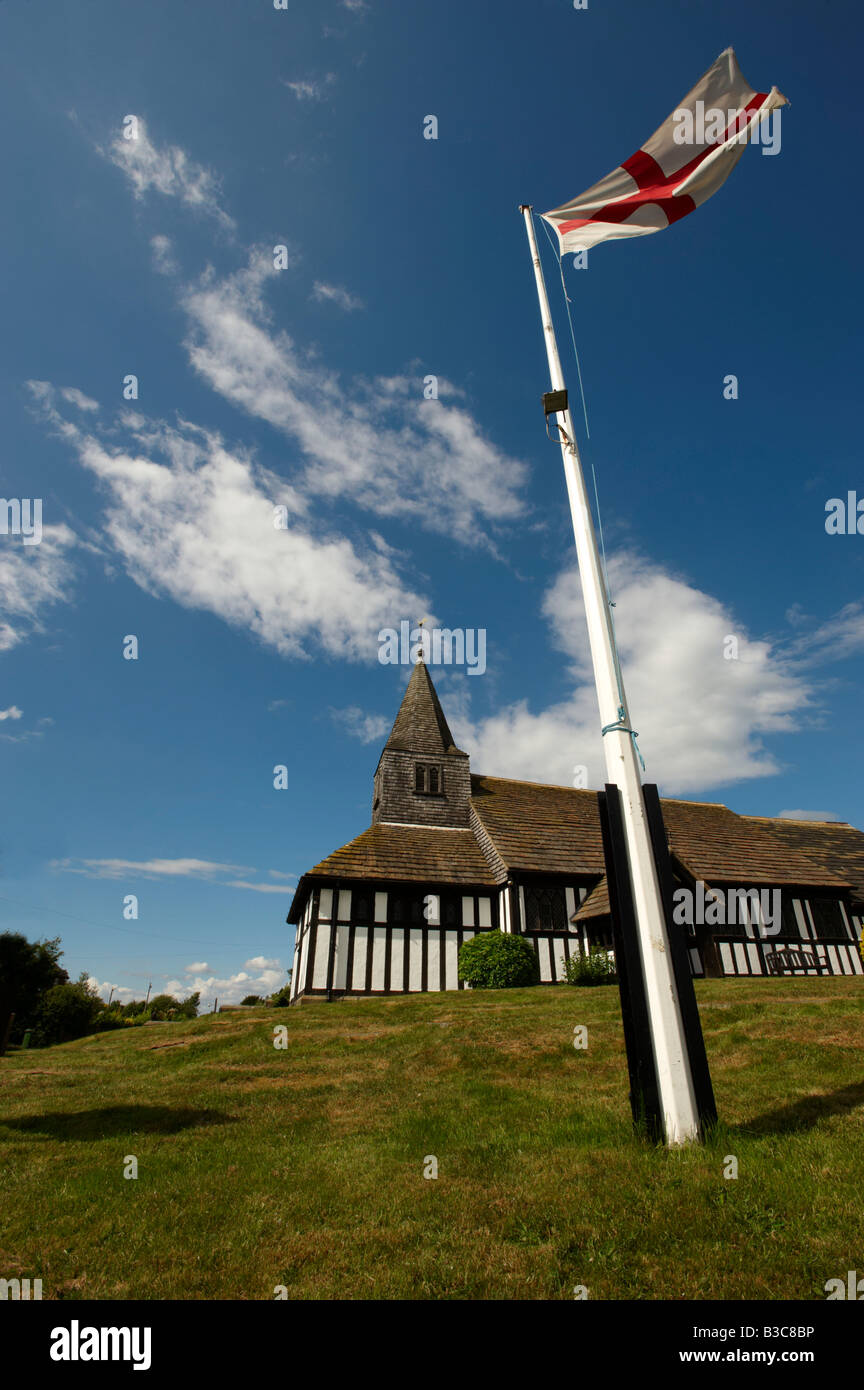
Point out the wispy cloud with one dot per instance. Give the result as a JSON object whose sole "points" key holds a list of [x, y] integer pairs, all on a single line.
{"points": [[194, 521], [163, 255], [334, 294], [395, 453], [311, 88], [78, 399], [205, 870], [260, 887], [167, 170], [13, 712], [808, 815], [146, 868], [366, 727], [32, 579]]}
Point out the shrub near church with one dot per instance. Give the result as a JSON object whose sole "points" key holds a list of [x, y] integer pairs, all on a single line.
{"points": [[491, 960]]}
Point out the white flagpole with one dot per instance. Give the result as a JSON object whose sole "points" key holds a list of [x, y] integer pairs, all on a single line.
{"points": [[677, 1097]]}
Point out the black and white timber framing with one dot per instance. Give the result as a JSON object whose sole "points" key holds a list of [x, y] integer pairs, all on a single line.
{"points": [[449, 854]]}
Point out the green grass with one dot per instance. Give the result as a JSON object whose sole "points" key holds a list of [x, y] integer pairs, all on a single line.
{"points": [[304, 1167]]}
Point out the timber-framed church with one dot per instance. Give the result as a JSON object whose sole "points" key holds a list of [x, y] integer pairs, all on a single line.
{"points": [[450, 853]]}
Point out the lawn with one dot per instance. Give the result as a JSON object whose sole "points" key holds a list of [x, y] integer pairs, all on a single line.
{"points": [[303, 1167]]}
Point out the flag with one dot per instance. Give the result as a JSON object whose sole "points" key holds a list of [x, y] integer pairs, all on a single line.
{"points": [[685, 161]]}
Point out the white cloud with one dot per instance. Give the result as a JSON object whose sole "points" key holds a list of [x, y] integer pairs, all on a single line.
{"points": [[32, 578], [195, 522], [376, 442], [259, 887], [230, 989], [366, 727], [106, 989], [166, 869], [13, 712], [77, 398], [837, 638], [808, 815], [145, 868], [163, 255], [311, 88], [197, 967], [261, 963], [169, 171], [357, 5], [335, 294], [700, 718]]}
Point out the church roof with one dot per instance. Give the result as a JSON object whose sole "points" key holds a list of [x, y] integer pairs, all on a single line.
{"points": [[536, 828], [409, 853], [833, 843], [549, 829], [540, 828], [420, 725]]}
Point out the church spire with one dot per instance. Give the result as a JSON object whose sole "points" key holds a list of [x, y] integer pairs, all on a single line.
{"points": [[422, 778], [421, 725]]}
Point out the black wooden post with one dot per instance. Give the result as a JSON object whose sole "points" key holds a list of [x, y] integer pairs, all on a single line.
{"points": [[703, 1089], [641, 1064]]}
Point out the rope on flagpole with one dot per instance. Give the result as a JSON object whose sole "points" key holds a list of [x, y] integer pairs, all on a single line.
{"points": [[567, 303], [619, 726]]}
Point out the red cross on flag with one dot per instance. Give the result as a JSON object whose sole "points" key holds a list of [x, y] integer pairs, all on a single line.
{"points": [[685, 161]]}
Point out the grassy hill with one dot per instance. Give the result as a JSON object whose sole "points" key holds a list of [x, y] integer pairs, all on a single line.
{"points": [[303, 1167]]}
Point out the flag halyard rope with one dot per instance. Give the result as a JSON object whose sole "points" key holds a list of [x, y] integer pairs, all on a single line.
{"points": [[620, 726]]}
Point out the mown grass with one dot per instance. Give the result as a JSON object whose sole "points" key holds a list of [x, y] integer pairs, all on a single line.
{"points": [[304, 1167]]}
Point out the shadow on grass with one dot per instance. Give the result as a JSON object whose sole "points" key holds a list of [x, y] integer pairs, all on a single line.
{"points": [[806, 1112], [111, 1120]]}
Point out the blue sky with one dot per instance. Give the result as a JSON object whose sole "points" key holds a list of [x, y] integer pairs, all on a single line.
{"points": [[303, 387]]}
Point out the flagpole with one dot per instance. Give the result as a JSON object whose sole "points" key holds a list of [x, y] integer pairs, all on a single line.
{"points": [[675, 1082]]}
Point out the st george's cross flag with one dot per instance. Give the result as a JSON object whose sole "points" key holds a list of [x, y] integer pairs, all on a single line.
{"points": [[686, 160]]}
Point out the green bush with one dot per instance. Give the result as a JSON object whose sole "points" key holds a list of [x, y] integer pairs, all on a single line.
{"points": [[67, 1011], [491, 960], [252, 999], [594, 967], [282, 998]]}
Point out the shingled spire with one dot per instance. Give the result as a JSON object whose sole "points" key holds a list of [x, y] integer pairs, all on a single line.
{"points": [[422, 777]]}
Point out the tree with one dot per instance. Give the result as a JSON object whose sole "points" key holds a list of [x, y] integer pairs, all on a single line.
{"points": [[27, 970], [188, 1008], [165, 1006], [252, 999], [68, 1011]]}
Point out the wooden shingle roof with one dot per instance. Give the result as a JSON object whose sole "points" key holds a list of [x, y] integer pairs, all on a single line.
{"points": [[409, 853], [840, 847], [718, 846], [540, 828], [420, 725]]}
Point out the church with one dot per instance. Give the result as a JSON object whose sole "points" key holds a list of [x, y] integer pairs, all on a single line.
{"points": [[450, 853]]}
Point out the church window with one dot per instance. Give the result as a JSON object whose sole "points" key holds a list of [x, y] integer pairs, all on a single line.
{"points": [[827, 919], [545, 909], [428, 779]]}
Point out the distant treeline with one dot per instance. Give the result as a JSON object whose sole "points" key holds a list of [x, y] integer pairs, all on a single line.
{"points": [[38, 998]]}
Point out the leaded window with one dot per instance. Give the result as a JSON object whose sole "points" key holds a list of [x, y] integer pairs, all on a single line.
{"points": [[545, 909]]}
